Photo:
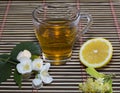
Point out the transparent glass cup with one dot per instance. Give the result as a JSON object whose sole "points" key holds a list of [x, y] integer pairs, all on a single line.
{"points": [[56, 28]]}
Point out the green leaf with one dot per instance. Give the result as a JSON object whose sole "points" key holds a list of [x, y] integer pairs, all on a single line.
{"points": [[18, 78], [110, 83], [34, 57], [108, 79], [4, 57], [92, 72], [5, 71], [32, 47], [7, 58], [5, 67]]}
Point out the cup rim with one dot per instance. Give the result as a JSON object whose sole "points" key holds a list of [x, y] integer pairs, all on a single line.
{"points": [[40, 7]]}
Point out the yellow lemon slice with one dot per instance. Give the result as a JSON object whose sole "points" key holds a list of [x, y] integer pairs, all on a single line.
{"points": [[96, 52]]}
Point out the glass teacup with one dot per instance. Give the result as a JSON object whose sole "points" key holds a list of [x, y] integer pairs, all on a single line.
{"points": [[56, 28]]}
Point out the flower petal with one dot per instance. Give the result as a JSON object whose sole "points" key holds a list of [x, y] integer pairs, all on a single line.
{"points": [[37, 83], [46, 78], [19, 55], [19, 68], [37, 64], [24, 60], [24, 66], [24, 53], [46, 67]]}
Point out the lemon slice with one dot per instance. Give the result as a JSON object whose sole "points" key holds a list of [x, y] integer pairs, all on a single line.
{"points": [[96, 52]]}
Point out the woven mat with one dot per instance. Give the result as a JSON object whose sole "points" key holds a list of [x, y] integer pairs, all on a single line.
{"points": [[16, 26]]}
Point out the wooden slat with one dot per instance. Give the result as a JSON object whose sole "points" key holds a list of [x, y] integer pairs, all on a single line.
{"points": [[19, 27]]}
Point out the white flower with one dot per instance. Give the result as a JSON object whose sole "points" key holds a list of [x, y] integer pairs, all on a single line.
{"points": [[46, 78], [24, 53], [37, 64], [100, 81], [24, 66], [37, 83]]}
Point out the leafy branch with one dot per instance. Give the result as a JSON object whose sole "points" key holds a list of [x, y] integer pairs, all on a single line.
{"points": [[7, 62]]}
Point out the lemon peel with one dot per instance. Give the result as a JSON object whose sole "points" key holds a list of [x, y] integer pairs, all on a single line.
{"points": [[96, 52]]}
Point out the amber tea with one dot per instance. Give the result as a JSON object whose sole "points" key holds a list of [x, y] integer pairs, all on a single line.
{"points": [[56, 38], [56, 28]]}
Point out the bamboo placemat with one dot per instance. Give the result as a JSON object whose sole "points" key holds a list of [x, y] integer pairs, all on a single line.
{"points": [[16, 26]]}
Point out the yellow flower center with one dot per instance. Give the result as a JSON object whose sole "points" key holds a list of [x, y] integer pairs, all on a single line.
{"points": [[44, 73], [38, 65], [26, 67]]}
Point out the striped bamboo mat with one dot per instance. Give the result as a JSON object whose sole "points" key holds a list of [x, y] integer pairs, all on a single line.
{"points": [[16, 26]]}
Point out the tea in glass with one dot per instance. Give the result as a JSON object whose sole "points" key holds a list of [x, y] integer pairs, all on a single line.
{"points": [[56, 28], [56, 38]]}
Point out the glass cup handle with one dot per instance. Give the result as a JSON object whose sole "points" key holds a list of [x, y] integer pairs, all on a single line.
{"points": [[89, 22]]}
